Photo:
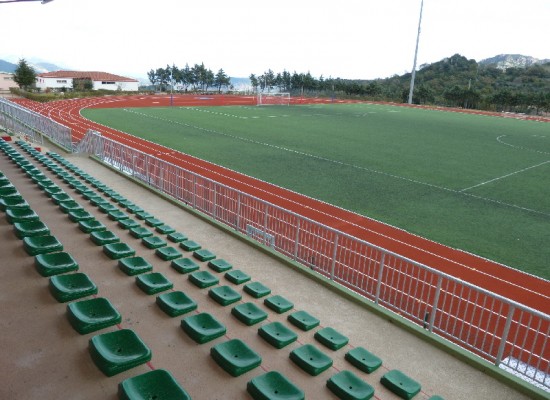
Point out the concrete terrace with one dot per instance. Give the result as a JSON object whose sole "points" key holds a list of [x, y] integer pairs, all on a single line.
{"points": [[45, 358]]}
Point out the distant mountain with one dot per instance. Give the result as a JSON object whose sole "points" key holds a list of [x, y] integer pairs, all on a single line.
{"points": [[39, 67], [241, 83], [505, 61], [7, 66]]}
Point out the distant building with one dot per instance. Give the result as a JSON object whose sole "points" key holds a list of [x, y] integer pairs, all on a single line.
{"points": [[6, 81], [100, 80]]}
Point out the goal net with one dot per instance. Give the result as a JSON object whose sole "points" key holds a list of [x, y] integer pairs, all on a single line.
{"points": [[273, 99]]}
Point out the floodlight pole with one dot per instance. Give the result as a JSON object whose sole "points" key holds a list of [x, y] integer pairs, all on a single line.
{"points": [[411, 91]]}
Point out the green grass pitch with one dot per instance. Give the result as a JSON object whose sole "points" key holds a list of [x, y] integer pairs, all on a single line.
{"points": [[481, 184]]}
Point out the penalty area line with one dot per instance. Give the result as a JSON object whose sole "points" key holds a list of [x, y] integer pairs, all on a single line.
{"points": [[505, 176]]}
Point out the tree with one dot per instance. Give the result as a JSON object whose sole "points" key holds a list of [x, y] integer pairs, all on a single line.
{"points": [[81, 84], [153, 78], [221, 79], [254, 82], [24, 75]]}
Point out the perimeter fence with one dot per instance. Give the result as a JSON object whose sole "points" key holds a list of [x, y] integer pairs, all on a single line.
{"points": [[506, 333], [34, 126]]}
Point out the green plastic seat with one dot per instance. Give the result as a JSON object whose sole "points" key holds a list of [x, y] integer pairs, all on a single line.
{"points": [[311, 359], [69, 205], [203, 279], [224, 295], [331, 338], [249, 313], [400, 384], [277, 334], [117, 215], [13, 203], [55, 263], [30, 228], [204, 255], [128, 223], [190, 245], [140, 232], [142, 215], [177, 237], [80, 215], [91, 315], [203, 327], [119, 250], [348, 386], [9, 192], [52, 190], [256, 289], [164, 229], [184, 265], [91, 225], [303, 320], [118, 351], [153, 242], [278, 304], [133, 209], [153, 282], [235, 357], [71, 287], [34, 245], [436, 397], [219, 265], [61, 197], [158, 384], [134, 265], [237, 276], [168, 253], [274, 386], [176, 303], [362, 359], [154, 222], [21, 215], [102, 238], [107, 208], [99, 201]]}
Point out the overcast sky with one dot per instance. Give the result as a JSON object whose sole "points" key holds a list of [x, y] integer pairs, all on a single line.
{"points": [[347, 38]]}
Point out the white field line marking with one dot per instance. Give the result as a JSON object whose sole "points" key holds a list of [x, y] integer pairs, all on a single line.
{"points": [[499, 139], [506, 176], [343, 164]]}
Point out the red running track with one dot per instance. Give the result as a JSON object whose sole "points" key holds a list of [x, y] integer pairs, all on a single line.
{"points": [[513, 284]]}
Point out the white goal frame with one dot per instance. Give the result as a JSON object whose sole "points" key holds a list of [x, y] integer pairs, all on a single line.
{"points": [[273, 99]]}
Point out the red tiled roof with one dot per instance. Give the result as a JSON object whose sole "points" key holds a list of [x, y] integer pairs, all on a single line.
{"points": [[93, 75]]}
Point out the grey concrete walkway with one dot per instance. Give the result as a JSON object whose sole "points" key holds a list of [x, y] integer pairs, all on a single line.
{"points": [[44, 358]]}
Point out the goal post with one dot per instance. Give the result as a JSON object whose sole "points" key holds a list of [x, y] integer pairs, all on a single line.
{"points": [[273, 99]]}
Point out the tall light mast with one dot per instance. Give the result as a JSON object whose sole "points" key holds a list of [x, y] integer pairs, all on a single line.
{"points": [[411, 91]]}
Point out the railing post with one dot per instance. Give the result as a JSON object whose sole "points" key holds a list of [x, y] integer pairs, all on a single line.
{"points": [[297, 240], [436, 301], [379, 281], [504, 337], [238, 219], [214, 203], [147, 170], [266, 208], [334, 250], [195, 192]]}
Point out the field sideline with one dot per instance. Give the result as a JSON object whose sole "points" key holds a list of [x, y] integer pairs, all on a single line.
{"points": [[467, 181]]}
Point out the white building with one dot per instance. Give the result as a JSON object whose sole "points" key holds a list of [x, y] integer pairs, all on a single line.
{"points": [[6, 81], [100, 80]]}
